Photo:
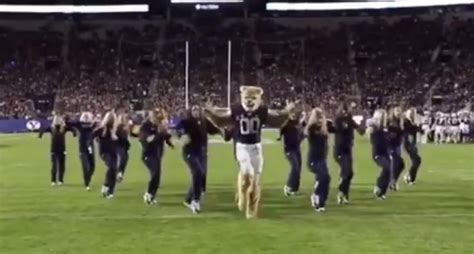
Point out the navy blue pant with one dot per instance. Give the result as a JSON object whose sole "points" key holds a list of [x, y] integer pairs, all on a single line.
{"points": [[294, 158], [203, 161], [110, 160], [88, 166], [415, 158], [397, 162], [383, 161], [153, 164], [197, 175], [346, 174], [321, 171], [122, 159], [58, 166]]}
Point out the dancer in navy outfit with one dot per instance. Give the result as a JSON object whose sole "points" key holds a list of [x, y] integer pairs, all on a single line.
{"points": [[380, 151], [153, 134], [292, 133], [317, 133]]}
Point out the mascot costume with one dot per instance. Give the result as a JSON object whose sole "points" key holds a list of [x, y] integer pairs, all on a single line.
{"points": [[247, 119]]}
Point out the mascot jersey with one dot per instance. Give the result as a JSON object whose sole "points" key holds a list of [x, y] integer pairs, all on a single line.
{"points": [[248, 123]]}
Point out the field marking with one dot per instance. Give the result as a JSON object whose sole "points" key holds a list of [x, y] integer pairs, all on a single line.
{"points": [[226, 215]]}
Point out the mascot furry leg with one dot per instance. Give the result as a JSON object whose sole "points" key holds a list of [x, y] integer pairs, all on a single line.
{"points": [[253, 197], [248, 194], [243, 184]]}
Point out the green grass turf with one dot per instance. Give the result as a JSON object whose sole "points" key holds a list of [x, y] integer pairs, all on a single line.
{"points": [[435, 216]]}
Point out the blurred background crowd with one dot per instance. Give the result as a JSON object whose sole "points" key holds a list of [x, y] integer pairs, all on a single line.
{"points": [[422, 61]]}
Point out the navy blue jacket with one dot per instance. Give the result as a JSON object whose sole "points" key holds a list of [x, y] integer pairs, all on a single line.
{"points": [[58, 137], [154, 148], [292, 135]]}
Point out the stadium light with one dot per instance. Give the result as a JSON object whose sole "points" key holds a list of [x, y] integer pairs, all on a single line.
{"points": [[205, 1], [127, 8], [207, 7], [273, 6]]}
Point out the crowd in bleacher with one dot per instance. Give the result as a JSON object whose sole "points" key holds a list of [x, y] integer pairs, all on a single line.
{"points": [[426, 63]]}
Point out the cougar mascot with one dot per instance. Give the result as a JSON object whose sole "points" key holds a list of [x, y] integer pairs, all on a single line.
{"points": [[247, 118]]}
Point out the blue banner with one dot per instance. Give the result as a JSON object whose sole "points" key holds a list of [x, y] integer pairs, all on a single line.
{"points": [[22, 125]]}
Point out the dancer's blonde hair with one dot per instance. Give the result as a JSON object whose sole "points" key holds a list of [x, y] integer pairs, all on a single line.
{"points": [[317, 117], [394, 118]]}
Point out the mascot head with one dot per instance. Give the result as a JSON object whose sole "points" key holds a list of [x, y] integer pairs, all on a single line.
{"points": [[251, 97]]}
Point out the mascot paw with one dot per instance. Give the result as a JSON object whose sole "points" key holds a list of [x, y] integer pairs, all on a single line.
{"points": [[250, 215]]}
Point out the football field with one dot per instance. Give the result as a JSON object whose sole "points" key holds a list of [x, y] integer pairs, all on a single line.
{"points": [[434, 216]]}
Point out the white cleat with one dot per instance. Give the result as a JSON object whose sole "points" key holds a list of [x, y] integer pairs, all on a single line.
{"points": [[342, 199], [315, 204], [193, 206], [378, 195], [320, 209], [148, 199], [88, 188], [408, 180], [104, 191], [60, 183], [288, 192], [196, 207], [53, 184], [109, 196], [119, 177]]}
